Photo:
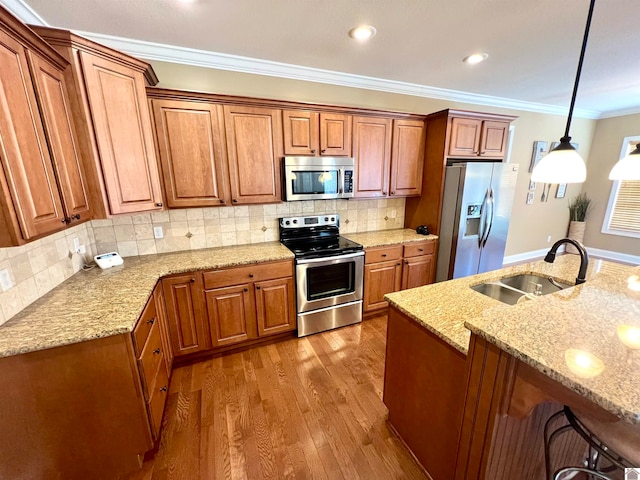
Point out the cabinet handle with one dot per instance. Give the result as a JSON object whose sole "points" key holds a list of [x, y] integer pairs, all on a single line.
{"points": [[159, 204], [251, 275], [420, 250], [235, 200], [163, 389], [156, 351], [152, 321], [384, 255], [323, 151], [192, 280], [313, 151]]}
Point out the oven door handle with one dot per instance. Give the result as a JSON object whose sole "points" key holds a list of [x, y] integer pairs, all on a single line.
{"points": [[329, 259]]}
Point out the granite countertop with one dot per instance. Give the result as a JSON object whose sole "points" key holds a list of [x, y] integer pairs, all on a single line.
{"points": [[100, 303], [546, 331], [382, 238]]}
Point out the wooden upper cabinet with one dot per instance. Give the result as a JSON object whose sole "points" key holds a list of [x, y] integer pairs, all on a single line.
{"points": [[113, 125], [254, 150], [30, 194], [478, 138], [301, 132], [316, 133], [58, 123], [407, 158], [372, 155], [122, 128], [335, 134], [191, 149]]}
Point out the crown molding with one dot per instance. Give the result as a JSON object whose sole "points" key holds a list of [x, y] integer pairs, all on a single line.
{"points": [[222, 61], [24, 12], [621, 112]]}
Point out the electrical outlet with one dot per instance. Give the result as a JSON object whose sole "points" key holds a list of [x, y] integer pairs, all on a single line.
{"points": [[5, 280], [81, 249], [76, 245], [157, 232], [548, 238]]}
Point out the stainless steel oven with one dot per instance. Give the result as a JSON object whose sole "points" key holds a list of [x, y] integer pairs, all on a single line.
{"points": [[329, 273], [318, 178]]}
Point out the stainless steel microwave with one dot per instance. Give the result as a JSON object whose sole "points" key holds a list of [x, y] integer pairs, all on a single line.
{"points": [[318, 178]]}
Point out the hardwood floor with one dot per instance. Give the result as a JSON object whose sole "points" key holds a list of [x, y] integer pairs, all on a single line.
{"points": [[301, 408]]}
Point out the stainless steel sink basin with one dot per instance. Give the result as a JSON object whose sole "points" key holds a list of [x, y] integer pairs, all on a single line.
{"points": [[519, 288], [499, 292], [534, 284]]}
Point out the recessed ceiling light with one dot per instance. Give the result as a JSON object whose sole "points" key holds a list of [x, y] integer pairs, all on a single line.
{"points": [[475, 58], [362, 33]]}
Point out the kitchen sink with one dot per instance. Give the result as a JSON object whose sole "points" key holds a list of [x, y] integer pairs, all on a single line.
{"points": [[499, 292], [518, 288], [532, 283]]}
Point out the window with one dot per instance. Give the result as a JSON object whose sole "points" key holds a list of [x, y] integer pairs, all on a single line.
{"points": [[623, 210]]}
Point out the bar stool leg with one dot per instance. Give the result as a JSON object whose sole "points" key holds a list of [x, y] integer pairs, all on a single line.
{"points": [[593, 474], [549, 438]]}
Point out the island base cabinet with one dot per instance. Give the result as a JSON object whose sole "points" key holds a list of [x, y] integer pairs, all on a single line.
{"points": [[73, 412], [424, 390]]}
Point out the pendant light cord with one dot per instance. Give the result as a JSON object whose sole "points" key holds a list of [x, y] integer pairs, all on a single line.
{"points": [[579, 71]]}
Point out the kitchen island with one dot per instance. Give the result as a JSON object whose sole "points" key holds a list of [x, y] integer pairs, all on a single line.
{"points": [[483, 376]]}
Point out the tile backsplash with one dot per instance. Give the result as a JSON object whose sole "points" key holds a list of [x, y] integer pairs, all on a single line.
{"points": [[194, 228], [39, 266]]}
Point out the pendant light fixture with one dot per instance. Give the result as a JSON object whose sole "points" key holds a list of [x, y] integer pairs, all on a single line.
{"points": [[628, 167], [564, 164]]}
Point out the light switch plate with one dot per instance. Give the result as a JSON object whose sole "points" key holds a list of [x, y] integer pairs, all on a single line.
{"points": [[5, 280]]}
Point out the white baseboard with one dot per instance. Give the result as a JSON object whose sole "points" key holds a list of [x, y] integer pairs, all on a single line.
{"points": [[594, 252]]}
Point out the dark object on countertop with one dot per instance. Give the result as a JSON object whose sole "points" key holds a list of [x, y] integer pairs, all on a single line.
{"points": [[584, 257], [422, 230]]}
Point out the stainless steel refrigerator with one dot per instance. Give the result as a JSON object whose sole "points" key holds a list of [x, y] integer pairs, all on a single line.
{"points": [[475, 218]]}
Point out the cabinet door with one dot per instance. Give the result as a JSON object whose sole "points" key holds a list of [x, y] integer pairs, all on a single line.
{"points": [[301, 132], [494, 139], [417, 271], [161, 315], [185, 314], [31, 194], [464, 140], [372, 154], [231, 314], [122, 127], [407, 158], [380, 279], [56, 114], [275, 306], [335, 134], [190, 145], [254, 148]]}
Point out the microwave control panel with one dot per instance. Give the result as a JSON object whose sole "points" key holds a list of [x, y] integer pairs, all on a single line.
{"points": [[348, 181]]}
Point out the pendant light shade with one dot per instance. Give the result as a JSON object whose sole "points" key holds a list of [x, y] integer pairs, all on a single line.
{"points": [[627, 168], [563, 164]]}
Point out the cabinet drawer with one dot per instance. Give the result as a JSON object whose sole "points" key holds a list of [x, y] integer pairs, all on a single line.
{"points": [[250, 273], [158, 399], [419, 248], [150, 359], [383, 254], [144, 325]]}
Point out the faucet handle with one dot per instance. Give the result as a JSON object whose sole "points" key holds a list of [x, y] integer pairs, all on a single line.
{"points": [[538, 289]]}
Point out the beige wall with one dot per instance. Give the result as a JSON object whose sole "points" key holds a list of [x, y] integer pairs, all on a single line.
{"points": [[531, 224], [607, 142]]}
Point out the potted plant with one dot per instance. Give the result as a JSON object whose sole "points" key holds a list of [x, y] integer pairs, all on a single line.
{"points": [[579, 207]]}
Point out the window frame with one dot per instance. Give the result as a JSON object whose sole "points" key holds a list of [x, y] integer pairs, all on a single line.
{"points": [[613, 196]]}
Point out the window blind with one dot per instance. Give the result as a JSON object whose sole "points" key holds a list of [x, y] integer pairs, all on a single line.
{"points": [[626, 211]]}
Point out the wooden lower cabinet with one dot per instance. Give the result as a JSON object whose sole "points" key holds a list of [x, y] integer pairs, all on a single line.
{"points": [[275, 306], [231, 314], [184, 297], [379, 279], [418, 271]]}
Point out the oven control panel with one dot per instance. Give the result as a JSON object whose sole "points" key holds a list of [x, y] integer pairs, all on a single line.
{"points": [[330, 219]]}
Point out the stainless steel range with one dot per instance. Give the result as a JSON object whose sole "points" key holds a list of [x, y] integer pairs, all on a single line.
{"points": [[329, 272]]}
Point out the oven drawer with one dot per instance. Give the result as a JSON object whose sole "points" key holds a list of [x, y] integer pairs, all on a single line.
{"points": [[251, 273], [419, 248], [383, 254]]}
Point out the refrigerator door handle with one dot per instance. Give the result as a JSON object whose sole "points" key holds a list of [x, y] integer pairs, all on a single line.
{"points": [[483, 218], [492, 203]]}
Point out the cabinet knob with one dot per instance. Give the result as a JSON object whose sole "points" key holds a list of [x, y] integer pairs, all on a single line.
{"points": [[74, 217], [159, 204], [393, 193], [246, 289], [406, 262], [384, 193], [156, 351], [313, 151], [398, 264], [151, 321], [420, 250], [65, 220], [323, 151], [192, 280], [384, 255], [258, 287], [221, 200], [163, 389], [251, 275], [235, 200]]}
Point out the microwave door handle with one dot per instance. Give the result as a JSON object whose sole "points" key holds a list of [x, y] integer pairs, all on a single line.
{"points": [[340, 180]]}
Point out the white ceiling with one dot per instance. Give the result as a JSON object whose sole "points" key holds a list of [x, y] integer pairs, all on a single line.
{"points": [[533, 45]]}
